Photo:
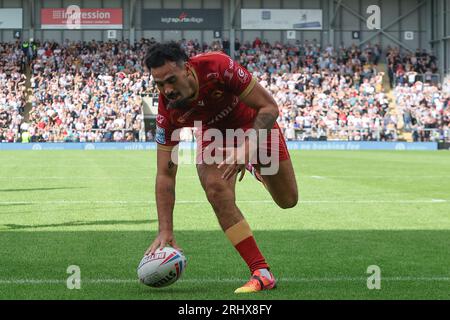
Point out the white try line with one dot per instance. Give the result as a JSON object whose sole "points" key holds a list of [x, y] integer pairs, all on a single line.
{"points": [[86, 178], [125, 202], [141, 177], [378, 176], [221, 280]]}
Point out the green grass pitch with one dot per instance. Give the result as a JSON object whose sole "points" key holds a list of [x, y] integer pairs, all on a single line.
{"points": [[96, 210]]}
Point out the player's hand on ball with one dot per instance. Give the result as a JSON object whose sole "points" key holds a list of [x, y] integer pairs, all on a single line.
{"points": [[163, 239]]}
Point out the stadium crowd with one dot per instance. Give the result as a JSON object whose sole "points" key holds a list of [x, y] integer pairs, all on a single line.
{"points": [[421, 101], [88, 92], [322, 93], [411, 67], [425, 109], [93, 91], [12, 91]]}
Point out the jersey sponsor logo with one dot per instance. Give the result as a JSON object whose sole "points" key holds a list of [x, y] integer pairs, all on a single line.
{"points": [[160, 136], [201, 103], [243, 77], [222, 114]]}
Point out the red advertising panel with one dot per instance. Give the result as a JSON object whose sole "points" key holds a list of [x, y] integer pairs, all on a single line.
{"points": [[74, 17]]}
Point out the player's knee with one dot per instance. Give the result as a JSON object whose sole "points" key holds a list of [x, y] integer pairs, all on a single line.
{"points": [[218, 195], [290, 200]]}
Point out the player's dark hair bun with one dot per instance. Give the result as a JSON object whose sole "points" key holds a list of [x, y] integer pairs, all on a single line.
{"points": [[159, 53]]}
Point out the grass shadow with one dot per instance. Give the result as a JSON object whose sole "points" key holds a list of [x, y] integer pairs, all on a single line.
{"points": [[39, 189], [78, 223]]}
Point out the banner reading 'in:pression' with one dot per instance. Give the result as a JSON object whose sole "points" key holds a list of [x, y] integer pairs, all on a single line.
{"points": [[76, 18]]}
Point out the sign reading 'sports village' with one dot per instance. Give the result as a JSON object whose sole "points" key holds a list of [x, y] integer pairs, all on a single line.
{"points": [[182, 19]]}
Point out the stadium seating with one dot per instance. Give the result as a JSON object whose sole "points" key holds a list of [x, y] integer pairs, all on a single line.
{"points": [[12, 91], [93, 91], [419, 96], [88, 92]]}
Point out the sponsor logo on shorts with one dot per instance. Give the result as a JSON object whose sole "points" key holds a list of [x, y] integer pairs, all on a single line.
{"points": [[160, 135], [217, 146]]}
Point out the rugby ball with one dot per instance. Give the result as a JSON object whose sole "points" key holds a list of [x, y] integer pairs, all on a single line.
{"points": [[162, 268]]}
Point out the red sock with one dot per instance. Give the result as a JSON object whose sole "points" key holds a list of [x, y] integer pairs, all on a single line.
{"points": [[242, 239], [249, 251]]}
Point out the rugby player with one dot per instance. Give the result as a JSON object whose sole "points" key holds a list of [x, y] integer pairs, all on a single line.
{"points": [[214, 89]]}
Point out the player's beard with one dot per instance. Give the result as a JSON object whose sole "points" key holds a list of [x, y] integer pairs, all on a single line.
{"points": [[180, 103]]}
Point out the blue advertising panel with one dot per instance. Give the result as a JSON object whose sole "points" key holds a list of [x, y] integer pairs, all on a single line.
{"points": [[292, 145]]}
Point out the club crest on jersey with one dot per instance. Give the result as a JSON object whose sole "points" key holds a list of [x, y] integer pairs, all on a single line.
{"points": [[160, 119]]}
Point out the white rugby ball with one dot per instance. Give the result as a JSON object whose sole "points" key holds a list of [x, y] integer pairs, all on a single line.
{"points": [[162, 268]]}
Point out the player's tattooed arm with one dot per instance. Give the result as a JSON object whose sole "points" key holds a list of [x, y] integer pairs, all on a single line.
{"points": [[171, 189], [264, 120], [267, 113], [261, 100], [165, 189]]}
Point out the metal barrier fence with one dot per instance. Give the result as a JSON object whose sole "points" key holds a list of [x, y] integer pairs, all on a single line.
{"points": [[126, 135], [432, 135], [344, 134], [434, 79]]}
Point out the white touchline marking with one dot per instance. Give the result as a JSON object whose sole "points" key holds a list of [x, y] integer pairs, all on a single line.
{"points": [[70, 202], [318, 177], [80, 178], [220, 280], [116, 201], [438, 200]]}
